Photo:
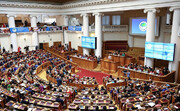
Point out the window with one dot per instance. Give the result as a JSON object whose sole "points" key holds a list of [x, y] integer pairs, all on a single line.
{"points": [[116, 20], [49, 20], [105, 20]]}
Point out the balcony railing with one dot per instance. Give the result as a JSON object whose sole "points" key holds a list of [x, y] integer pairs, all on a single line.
{"points": [[31, 29], [111, 28]]}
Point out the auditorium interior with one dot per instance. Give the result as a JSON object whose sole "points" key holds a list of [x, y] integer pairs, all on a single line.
{"points": [[89, 55]]}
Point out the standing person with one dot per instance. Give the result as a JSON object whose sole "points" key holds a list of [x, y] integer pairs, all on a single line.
{"points": [[26, 48], [11, 47], [19, 49], [98, 59], [36, 47], [25, 23], [128, 74], [4, 50]]}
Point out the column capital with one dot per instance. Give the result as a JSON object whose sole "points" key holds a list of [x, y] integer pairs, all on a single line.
{"points": [[11, 15], [98, 14], [33, 16], [174, 8], [85, 14], [154, 10]]}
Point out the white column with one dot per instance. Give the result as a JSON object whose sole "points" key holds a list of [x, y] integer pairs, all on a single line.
{"points": [[65, 38], [98, 33], [173, 66], [130, 41], [13, 37], [35, 41], [85, 30], [150, 32]]}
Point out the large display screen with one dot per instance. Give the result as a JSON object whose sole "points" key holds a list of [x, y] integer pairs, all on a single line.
{"points": [[164, 51], [88, 42], [138, 26]]}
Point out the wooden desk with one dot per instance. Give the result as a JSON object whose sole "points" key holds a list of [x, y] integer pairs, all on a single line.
{"points": [[2, 101], [109, 66], [42, 103], [42, 66], [84, 63], [8, 93], [64, 54], [18, 106], [122, 59], [81, 86], [145, 76]]}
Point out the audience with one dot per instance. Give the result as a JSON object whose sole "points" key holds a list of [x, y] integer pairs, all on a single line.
{"points": [[19, 84]]}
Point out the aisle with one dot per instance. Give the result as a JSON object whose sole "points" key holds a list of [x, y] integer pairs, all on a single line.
{"points": [[98, 75]]}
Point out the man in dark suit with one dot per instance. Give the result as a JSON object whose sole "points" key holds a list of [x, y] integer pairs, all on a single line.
{"points": [[4, 50], [58, 99], [59, 81]]}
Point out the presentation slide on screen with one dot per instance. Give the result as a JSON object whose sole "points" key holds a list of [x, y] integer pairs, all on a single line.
{"points": [[164, 51], [139, 26], [169, 51], [149, 47], [88, 42]]}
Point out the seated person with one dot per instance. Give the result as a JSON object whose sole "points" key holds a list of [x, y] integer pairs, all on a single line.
{"points": [[102, 88], [109, 57], [86, 97], [123, 54], [58, 99], [92, 97]]}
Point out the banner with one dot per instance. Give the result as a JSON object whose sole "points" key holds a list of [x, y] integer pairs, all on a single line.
{"points": [[74, 28], [19, 29]]}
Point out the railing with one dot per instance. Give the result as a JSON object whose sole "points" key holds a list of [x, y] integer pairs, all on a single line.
{"points": [[111, 28], [39, 29], [57, 54]]}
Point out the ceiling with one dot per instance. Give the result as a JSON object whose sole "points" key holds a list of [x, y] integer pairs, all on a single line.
{"points": [[54, 2]]}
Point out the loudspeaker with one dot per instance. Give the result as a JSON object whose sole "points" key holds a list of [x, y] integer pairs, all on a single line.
{"points": [[40, 45]]}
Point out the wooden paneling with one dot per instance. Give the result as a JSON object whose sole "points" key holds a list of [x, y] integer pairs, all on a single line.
{"points": [[122, 60], [45, 45], [56, 43], [115, 45], [145, 76], [80, 50], [160, 63], [108, 66], [178, 78], [84, 63]]}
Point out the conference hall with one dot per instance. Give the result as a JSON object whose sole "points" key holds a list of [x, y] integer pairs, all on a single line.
{"points": [[89, 55]]}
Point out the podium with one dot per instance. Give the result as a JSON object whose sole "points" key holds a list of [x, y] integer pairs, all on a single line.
{"points": [[109, 66]]}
